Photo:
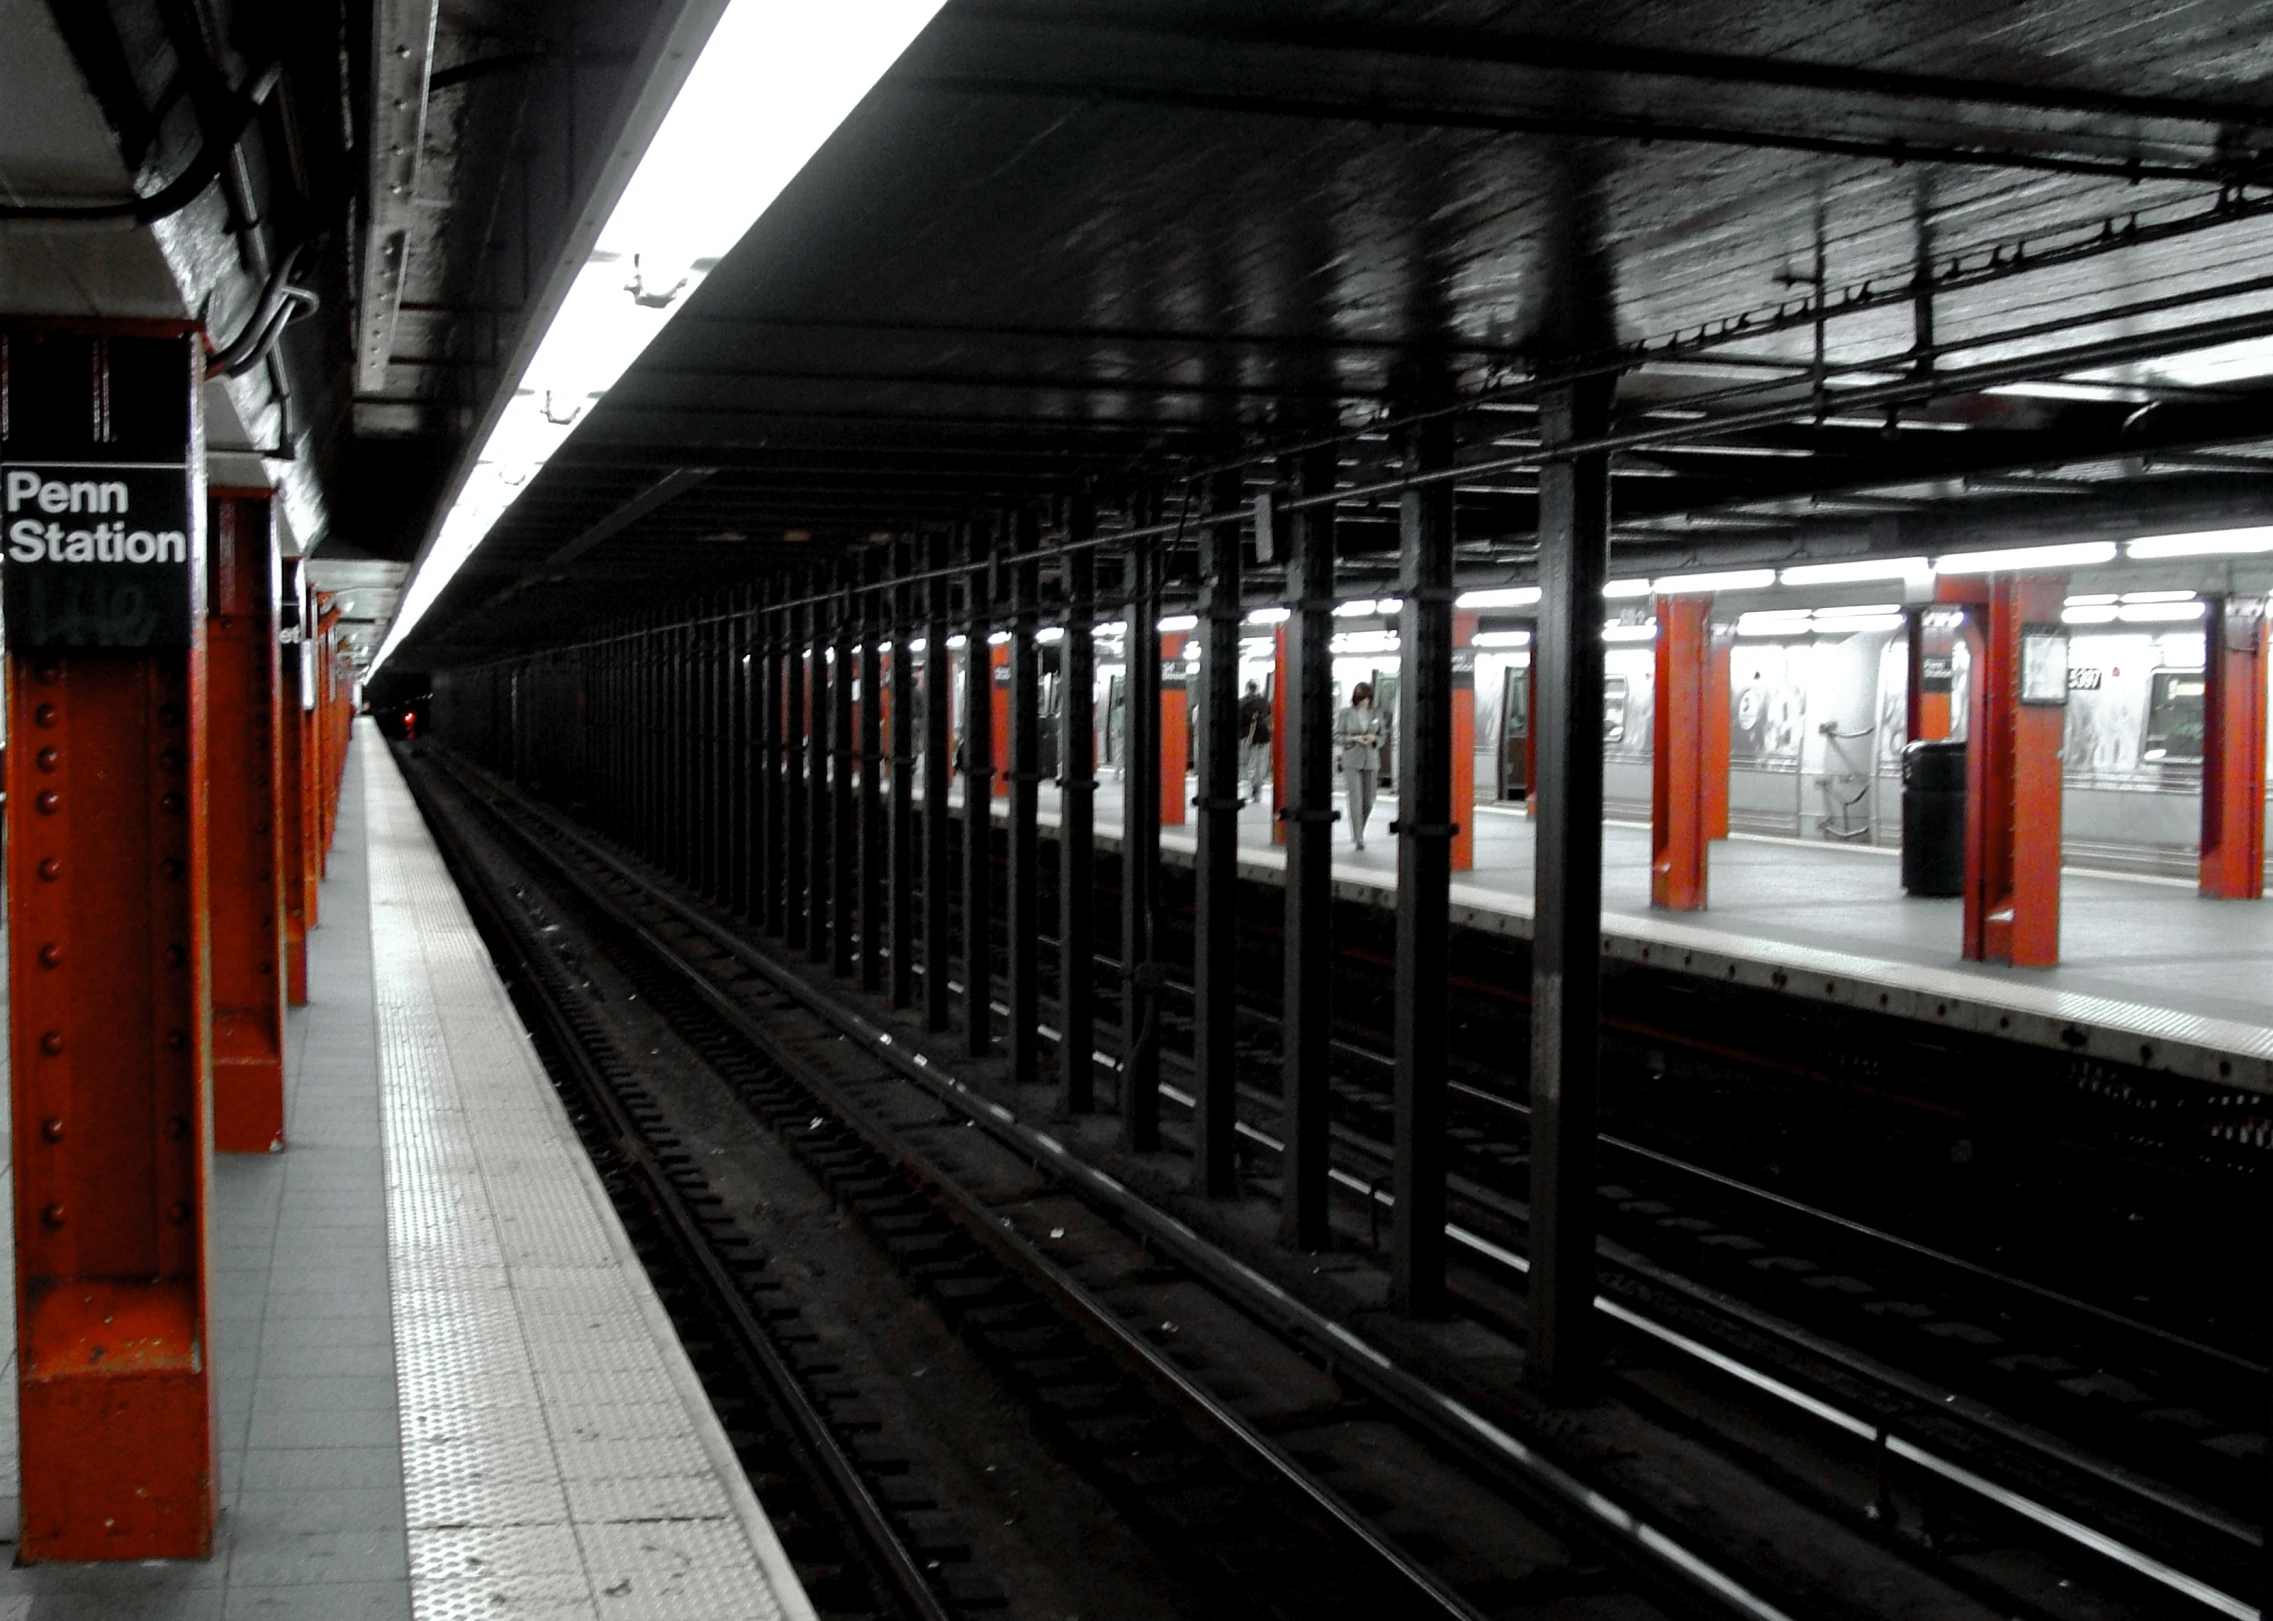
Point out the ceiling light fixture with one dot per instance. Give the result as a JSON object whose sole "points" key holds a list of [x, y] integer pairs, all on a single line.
{"points": [[1741, 579], [1861, 570], [2204, 543], [2019, 559], [769, 85]]}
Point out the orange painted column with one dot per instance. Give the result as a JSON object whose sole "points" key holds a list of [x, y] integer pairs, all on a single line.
{"points": [[292, 787], [245, 843], [1463, 742], [1531, 738], [107, 902], [998, 684], [325, 676], [1933, 673], [1718, 697], [1175, 731], [311, 765], [1278, 734], [2233, 751], [1679, 841], [2012, 767]]}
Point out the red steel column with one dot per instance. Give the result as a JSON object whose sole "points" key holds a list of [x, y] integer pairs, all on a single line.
{"points": [[1463, 742], [2233, 751], [2012, 766], [1933, 673], [245, 846], [328, 722], [106, 895], [1531, 737], [292, 787], [1679, 837], [1717, 699], [312, 765], [1278, 734], [998, 678], [1175, 730]]}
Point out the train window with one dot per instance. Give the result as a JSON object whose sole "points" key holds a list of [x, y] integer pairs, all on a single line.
{"points": [[1515, 727], [2176, 711]]}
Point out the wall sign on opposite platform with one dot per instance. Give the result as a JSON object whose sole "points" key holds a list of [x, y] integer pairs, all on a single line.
{"points": [[97, 554]]}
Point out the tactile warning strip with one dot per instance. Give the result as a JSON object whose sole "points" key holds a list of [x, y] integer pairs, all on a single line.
{"points": [[559, 1457]]}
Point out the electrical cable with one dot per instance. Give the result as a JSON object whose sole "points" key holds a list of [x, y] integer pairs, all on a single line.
{"points": [[177, 193], [280, 303]]}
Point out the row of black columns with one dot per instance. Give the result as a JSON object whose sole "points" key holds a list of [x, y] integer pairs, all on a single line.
{"points": [[747, 751]]}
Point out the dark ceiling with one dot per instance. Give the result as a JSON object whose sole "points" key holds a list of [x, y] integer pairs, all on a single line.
{"points": [[1102, 243]]}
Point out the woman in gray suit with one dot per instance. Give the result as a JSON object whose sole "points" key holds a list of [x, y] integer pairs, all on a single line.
{"points": [[1359, 733]]}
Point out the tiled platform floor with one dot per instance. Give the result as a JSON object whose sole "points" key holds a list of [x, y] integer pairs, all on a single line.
{"points": [[2140, 940], [303, 1338], [486, 1416]]}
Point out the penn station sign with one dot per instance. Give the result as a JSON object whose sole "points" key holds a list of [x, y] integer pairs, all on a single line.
{"points": [[98, 554]]}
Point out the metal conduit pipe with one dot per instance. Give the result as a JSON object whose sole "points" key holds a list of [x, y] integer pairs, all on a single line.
{"points": [[176, 194]]}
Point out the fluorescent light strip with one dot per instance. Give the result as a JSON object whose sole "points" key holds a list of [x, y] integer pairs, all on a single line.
{"points": [[1857, 572], [1743, 579], [770, 86], [2204, 543], [1512, 596], [2019, 559]]}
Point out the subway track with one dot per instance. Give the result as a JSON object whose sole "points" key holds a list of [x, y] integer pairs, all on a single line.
{"points": [[1883, 1482], [1278, 1489], [2092, 1431]]}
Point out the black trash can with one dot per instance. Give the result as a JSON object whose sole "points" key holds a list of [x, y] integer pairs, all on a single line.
{"points": [[1933, 818]]}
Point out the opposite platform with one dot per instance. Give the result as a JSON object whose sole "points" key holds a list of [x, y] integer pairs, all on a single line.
{"points": [[2151, 974]]}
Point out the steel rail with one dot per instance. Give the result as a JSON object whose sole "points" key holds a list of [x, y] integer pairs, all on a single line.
{"points": [[1894, 1381], [982, 1223], [2066, 1525], [1652, 1544], [900, 1563]]}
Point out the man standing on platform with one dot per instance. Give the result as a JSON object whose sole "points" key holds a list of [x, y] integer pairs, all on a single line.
{"points": [[1254, 741]]}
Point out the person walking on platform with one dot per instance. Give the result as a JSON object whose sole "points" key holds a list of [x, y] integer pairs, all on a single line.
{"points": [[1359, 732], [1254, 741]]}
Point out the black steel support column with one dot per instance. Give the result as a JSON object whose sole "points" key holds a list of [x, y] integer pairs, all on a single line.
{"points": [[872, 875], [1566, 951], [1215, 889], [771, 826], [1077, 817], [1306, 1025], [821, 823], [844, 779], [938, 778], [735, 825], [978, 793], [1140, 859], [1025, 899], [902, 888], [796, 713], [1424, 876]]}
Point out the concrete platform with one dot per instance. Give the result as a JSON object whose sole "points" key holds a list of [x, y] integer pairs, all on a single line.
{"points": [[446, 1387], [2152, 974]]}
